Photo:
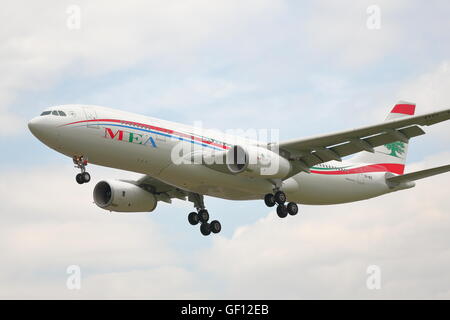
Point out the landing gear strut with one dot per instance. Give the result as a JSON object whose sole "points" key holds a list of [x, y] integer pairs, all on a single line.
{"points": [[279, 198], [81, 163], [202, 216]]}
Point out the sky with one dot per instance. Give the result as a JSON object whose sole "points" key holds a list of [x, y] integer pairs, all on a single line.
{"points": [[303, 67]]}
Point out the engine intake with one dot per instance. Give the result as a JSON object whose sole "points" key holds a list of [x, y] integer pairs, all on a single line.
{"points": [[121, 196]]}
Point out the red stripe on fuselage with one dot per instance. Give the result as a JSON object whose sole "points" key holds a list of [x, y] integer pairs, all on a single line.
{"points": [[383, 167]]}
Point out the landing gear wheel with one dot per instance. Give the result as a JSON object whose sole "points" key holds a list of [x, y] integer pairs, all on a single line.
{"points": [[280, 197], [282, 211], [81, 163], [215, 226], [269, 200], [193, 218], [205, 229], [86, 177], [292, 208], [203, 215], [79, 178]]}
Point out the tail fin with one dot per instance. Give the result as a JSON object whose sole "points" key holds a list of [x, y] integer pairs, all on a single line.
{"points": [[391, 155]]}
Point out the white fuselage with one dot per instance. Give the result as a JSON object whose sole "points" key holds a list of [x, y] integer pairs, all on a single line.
{"points": [[132, 142]]}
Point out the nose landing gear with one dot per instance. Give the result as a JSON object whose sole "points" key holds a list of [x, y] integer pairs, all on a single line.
{"points": [[81, 163], [279, 198]]}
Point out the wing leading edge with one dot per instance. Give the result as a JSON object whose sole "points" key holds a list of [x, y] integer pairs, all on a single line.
{"points": [[163, 191]]}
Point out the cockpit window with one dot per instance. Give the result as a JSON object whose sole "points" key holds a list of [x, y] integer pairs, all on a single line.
{"points": [[54, 112]]}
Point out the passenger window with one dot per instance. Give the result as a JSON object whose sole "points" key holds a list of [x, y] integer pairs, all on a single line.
{"points": [[61, 113], [45, 113], [54, 112]]}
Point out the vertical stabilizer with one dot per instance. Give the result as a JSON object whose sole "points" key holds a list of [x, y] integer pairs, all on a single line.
{"points": [[391, 155]]}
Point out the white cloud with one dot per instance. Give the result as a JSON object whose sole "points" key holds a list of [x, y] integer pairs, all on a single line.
{"points": [[340, 31], [158, 283], [46, 229], [263, 43], [37, 48], [10, 123], [429, 90]]}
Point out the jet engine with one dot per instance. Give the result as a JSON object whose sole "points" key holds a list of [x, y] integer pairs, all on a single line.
{"points": [[257, 161], [122, 196]]}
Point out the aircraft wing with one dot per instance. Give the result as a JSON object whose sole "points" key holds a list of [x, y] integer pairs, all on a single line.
{"points": [[419, 174], [308, 152], [163, 191]]}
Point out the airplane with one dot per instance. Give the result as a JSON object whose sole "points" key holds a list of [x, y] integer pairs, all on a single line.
{"points": [[184, 162]]}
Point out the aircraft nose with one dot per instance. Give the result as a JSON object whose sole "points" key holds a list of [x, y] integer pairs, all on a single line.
{"points": [[42, 128], [35, 126], [45, 129]]}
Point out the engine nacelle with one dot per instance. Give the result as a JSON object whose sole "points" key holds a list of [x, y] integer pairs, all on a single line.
{"points": [[256, 161], [121, 196]]}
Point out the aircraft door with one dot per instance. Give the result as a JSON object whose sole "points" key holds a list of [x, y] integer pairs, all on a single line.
{"points": [[90, 114]]}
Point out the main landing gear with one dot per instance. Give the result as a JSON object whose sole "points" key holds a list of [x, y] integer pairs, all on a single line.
{"points": [[81, 163], [279, 199], [202, 216]]}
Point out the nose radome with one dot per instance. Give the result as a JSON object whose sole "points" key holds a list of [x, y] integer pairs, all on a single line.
{"points": [[34, 126], [41, 128], [45, 129]]}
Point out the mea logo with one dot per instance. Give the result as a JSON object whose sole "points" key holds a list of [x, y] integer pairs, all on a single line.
{"points": [[130, 137]]}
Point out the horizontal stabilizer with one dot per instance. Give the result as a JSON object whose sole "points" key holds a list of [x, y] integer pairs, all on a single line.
{"points": [[419, 174]]}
